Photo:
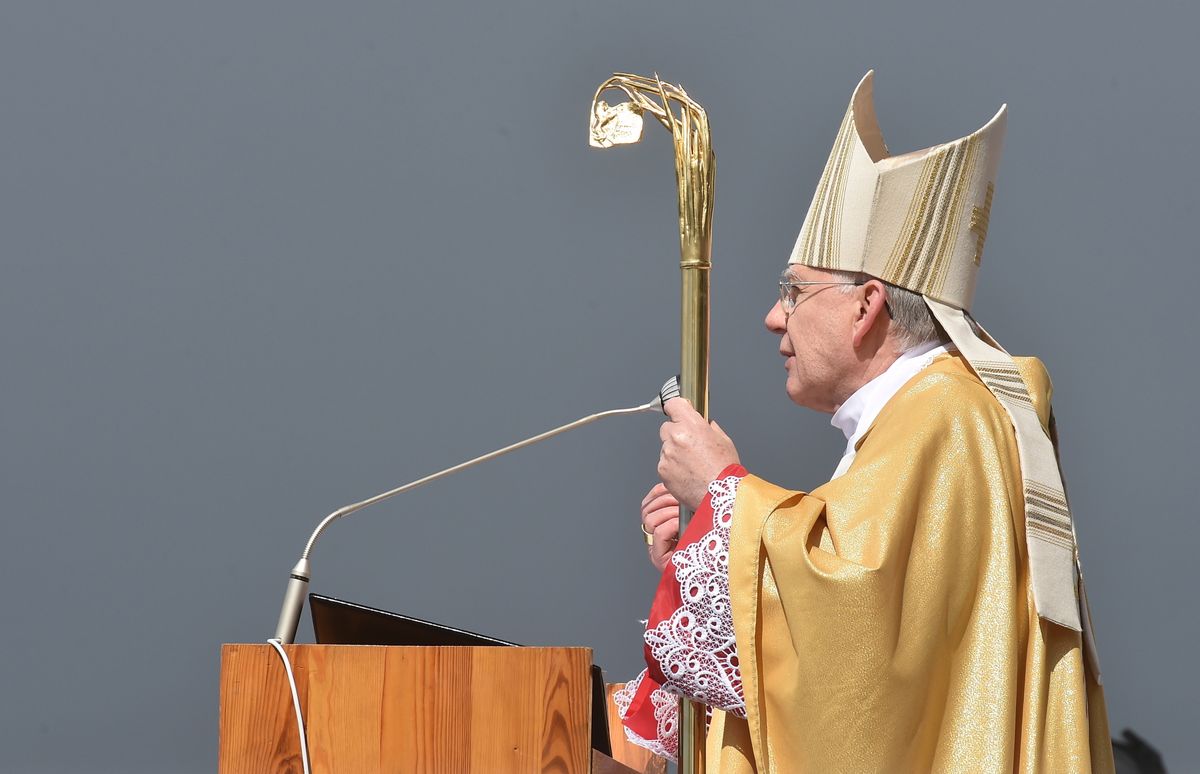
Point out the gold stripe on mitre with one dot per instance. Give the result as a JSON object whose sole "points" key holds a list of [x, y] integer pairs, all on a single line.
{"points": [[919, 221]]}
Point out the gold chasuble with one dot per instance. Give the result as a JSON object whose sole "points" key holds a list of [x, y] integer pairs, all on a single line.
{"points": [[885, 622]]}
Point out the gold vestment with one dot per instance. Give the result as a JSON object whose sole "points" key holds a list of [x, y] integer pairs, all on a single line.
{"points": [[885, 621]]}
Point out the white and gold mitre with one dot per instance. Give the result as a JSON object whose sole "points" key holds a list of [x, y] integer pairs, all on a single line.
{"points": [[919, 221]]}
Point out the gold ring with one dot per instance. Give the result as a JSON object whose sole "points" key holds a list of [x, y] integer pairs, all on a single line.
{"points": [[648, 535]]}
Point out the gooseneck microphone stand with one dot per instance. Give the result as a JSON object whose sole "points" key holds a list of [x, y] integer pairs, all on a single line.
{"points": [[293, 599]]}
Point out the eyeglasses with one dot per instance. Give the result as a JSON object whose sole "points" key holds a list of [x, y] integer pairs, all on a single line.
{"points": [[789, 291]]}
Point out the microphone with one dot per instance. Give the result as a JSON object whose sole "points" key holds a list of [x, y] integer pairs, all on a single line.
{"points": [[293, 599]]}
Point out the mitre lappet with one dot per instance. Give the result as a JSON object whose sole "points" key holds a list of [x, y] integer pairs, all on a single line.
{"points": [[919, 221]]}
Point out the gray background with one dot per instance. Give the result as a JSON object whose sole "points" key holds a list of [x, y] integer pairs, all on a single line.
{"points": [[263, 260]]}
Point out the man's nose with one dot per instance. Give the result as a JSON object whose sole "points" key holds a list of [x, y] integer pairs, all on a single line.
{"points": [[776, 319]]}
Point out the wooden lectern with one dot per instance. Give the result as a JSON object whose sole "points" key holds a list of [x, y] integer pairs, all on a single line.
{"points": [[373, 708]]}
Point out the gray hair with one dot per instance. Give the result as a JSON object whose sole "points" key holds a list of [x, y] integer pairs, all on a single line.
{"points": [[911, 318]]}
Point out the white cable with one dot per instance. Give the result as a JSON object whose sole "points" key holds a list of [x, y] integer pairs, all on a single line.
{"points": [[655, 405], [287, 666]]}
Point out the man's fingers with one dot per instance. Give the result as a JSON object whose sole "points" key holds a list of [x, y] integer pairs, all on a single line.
{"points": [[660, 557], [652, 521], [664, 500], [679, 409], [660, 518], [666, 535], [664, 503], [658, 490]]}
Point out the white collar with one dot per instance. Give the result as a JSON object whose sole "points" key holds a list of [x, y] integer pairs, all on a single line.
{"points": [[855, 416]]}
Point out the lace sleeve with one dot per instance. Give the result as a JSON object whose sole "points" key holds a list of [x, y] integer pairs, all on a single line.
{"points": [[649, 715], [689, 643], [693, 645]]}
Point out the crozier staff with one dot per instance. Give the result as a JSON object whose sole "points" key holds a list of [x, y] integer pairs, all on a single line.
{"points": [[923, 610]]}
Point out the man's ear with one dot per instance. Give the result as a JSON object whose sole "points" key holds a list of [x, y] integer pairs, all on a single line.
{"points": [[872, 310]]}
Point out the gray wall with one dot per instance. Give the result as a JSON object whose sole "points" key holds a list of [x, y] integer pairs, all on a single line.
{"points": [[263, 260]]}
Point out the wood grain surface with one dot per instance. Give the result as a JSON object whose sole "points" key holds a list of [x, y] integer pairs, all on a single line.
{"points": [[406, 709]]}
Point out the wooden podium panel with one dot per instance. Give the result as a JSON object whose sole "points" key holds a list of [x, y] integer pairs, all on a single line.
{"points": [[407, 709]]}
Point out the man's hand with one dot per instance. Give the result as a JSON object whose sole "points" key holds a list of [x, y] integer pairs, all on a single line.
{"points": [[660, 517], [694, 452]]}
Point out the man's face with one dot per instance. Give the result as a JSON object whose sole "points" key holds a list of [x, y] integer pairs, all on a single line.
{"points": [[816, 339]]}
